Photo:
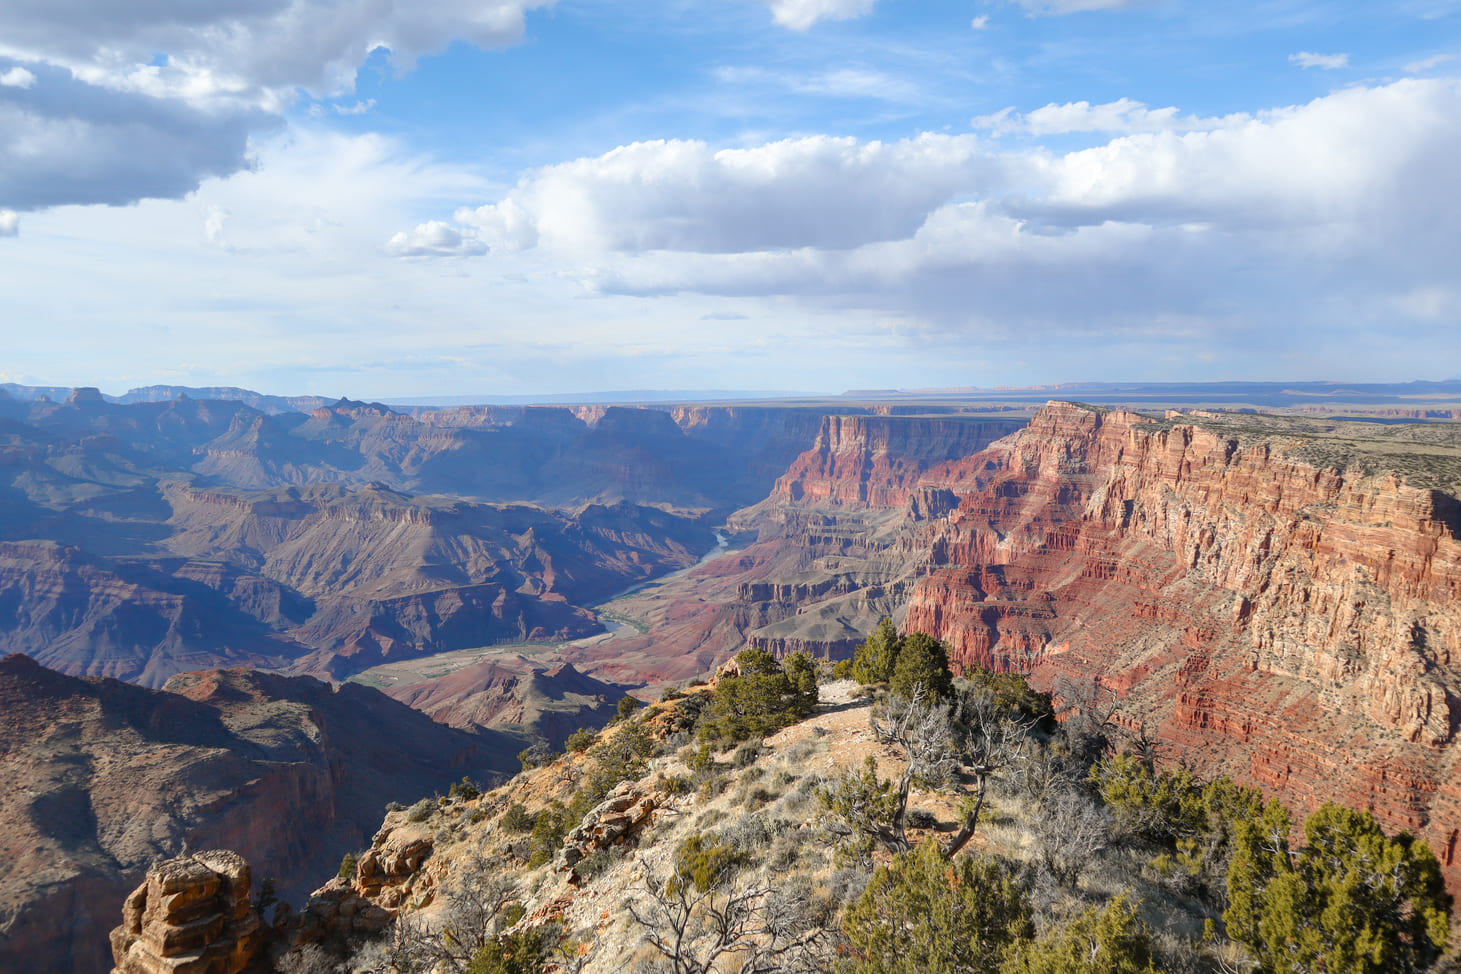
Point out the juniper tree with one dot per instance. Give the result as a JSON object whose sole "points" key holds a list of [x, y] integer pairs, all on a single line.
{"points": [[763, 698], [1112, 940], [939, 741], [873, 661], [924, 913], [1350, 901]]}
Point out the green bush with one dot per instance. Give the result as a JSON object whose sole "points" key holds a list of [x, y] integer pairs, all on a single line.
{"points": [[517, 819], [524, 952], [549, 828], [746, 754], [466, 789], [347, 866], [706, 861], [421, 811], [580, 740], [923, 662], [761, 700], [674, 784], [618, 757], [703, 758], [1194, 823], [627, 706], [904, 662], [925, 913], [873, 661], [1351, 901], [1013, 694], [1100, 941]]}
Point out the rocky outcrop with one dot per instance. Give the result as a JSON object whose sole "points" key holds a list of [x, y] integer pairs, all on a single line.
{"points": [[287, 770], [616, 819], [191, 915]]}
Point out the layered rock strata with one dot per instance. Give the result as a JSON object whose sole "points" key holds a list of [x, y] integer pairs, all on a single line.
{"points": [[191, 915], [1272, 599]]}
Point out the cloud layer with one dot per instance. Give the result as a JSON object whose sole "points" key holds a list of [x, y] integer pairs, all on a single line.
{"points": [[265, 44], [821, 192], [104, 102], [1181, 221], [65, 141]]}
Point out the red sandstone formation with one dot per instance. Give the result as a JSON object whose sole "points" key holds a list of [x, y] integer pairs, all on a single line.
{"points": [[192, 915], [1269, 596], [1269, 617], [876, 460]]}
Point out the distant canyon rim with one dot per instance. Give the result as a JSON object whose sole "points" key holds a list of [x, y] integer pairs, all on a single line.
{"points": [[1269, 593]]}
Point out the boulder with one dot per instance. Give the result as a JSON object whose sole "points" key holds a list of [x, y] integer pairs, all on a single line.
{"points": [[191, 915]]}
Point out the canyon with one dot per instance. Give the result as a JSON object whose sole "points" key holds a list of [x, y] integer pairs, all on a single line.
{"points": [[108, 777], [1271, 597]]}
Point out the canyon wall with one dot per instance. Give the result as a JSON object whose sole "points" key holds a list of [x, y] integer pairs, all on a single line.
{"points": [[1290, 624], [1274, 599]]}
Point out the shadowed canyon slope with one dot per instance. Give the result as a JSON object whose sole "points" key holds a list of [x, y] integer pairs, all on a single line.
{"points": [[146, 539], [826, 555], [516, 697], [1274, 598], [106, 777]]}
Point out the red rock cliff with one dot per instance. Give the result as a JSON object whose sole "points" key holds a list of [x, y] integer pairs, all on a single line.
{"points": [[1292, 625], [877, 460]]}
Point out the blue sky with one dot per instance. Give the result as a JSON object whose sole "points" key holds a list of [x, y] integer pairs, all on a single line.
{"points": [[457, 197]]}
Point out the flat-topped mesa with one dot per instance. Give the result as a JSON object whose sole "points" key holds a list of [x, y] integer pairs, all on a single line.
{"points": [[191, 915], [875, 461], [1277, 596]]}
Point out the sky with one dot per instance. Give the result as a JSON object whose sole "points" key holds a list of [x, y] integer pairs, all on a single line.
{"points": [[383, 198]]}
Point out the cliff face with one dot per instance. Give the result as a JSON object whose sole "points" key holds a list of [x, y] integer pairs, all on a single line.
{"points": [[110, 776], [832, 553], [877, 460], [1269, 617], [1272, 598]]}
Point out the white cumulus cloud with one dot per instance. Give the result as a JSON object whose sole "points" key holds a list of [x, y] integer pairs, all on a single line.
{"points": [[105, 102], [1295, 217], [9, 223], [1356, 157], [801, 14], [1329, 62], [820, 192], [309, 43], [17, 77], [436, 239]]}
